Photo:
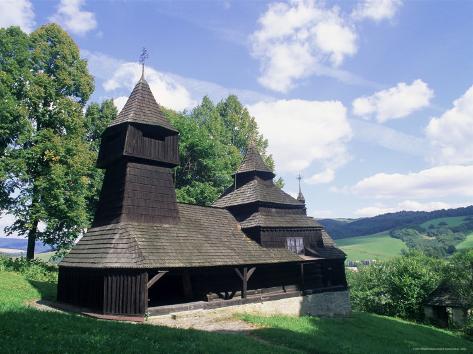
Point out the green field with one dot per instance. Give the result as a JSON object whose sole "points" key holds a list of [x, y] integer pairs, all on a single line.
{"points": [[378, 246], [451, 221], [45, 256], [467, 243], [24, 329]]}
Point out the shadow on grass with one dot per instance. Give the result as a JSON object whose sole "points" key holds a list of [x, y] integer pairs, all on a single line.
{"points": [[361, 333], [26, 330], [46, 289]]}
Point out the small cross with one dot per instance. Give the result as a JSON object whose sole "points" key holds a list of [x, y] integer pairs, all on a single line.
{"points": [[143, 56], [299, 177]]}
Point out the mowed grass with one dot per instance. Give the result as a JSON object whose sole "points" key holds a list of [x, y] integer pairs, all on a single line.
{"points": [[361, 333], [451, 221], [467, 243], [26, 330], [378, 246]]}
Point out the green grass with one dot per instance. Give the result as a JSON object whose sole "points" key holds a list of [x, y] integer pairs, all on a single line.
{"points": [[467, 243], [362, 333], [451, 221], [379, 246], [45, 256]]}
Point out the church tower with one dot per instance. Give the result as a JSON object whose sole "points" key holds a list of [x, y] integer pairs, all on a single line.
{"points": [[138, 150]]}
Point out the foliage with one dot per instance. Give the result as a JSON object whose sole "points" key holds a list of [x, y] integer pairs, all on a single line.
{"points": [[367, 226], [397, 287], [45, 161], [459, 275], [213, 139], [34, 269], [437, 241], [360, 333], [97, 118]]}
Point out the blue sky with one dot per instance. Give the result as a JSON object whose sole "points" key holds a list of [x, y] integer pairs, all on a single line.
{"points": [[371, 101]]}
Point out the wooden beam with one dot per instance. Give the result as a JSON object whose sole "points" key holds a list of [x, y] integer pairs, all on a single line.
{"points": [[155, 278], [187, 285], [245, 282], [302, 277], [245, 276], [250, 273], [239, 273]]}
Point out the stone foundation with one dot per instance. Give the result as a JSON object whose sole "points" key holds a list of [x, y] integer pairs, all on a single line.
{"points": [[333, 303]]}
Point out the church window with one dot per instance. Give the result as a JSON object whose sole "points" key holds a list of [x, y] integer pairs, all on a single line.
{"points": [[295, 244]]}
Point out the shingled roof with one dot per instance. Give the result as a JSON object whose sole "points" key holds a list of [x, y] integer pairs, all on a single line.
{"points": [[253, 162], [444, 295], [265, 220], [325, 252], [256, 190], [205, 236], [141, 107]]}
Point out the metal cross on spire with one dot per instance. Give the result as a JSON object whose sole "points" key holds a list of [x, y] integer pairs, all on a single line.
{"points": [[143, 56], [299, 177]]}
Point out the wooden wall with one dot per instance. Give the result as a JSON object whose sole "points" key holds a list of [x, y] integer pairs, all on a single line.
{"points": [[125, 291], [118, 292], [276, 237], [133, 192], [152, 146]]}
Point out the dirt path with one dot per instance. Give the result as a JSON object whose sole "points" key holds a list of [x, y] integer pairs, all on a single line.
{"points": [[212, 321]]}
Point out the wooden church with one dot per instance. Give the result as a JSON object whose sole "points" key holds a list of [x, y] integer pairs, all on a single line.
{"points": [[147, 253]]}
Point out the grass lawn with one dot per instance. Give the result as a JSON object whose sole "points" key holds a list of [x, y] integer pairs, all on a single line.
{"points": [[45, 256], [467, 243], [362, 333], [27, 330], [379, 246], [451, 221]]}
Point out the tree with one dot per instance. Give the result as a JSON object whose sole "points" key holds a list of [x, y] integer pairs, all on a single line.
{"points": [[397, 287], [213, 141], [45, 158], [97, 118]]}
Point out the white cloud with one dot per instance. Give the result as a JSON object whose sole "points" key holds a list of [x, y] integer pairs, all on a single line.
{"points": [[301, 132], [376, 10], [295, 40], [119, 102], [72, 18], [395, 102], [105, 67], [326, 176], [451, 134], [166, 90], [17, 13], [436, 182], [407, 205]]}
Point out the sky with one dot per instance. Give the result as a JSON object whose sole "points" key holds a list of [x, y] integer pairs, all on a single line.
{"points": [[370, 100]]}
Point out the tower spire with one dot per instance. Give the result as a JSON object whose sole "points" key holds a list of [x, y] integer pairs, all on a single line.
{"points": [[300, 196], [143, 56]]}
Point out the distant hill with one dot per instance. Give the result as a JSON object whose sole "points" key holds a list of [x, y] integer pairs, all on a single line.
{"points": [[21, 244], [367, 226]]}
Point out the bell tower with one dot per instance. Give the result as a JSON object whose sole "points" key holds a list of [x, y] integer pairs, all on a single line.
{"points": [[138, 151]]}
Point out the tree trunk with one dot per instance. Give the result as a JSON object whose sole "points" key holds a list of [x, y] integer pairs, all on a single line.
{"points": [[31, 240]]}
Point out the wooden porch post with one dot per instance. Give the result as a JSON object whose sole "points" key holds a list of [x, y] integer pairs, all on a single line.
{"points": [[245, 277]]}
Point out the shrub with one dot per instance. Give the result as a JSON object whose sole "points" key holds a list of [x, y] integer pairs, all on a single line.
{"points": [[34, 269], [397, 287]]}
